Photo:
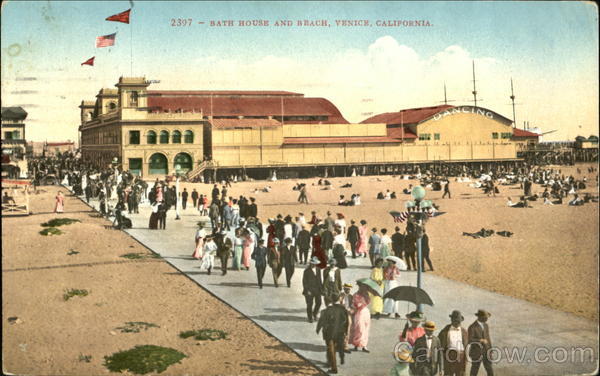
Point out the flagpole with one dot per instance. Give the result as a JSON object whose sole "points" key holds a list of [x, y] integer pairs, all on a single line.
{"points": [[131, 49]]}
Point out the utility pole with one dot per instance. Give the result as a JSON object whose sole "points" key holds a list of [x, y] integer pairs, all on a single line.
{"points": [[512, 98]]}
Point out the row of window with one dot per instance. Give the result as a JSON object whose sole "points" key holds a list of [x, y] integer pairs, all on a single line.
{"points": [[503, 135], [163, 137], [427, 136], [12, 135]]}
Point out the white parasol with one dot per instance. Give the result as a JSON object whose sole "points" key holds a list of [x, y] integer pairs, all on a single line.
{"points": [[400, 264]]}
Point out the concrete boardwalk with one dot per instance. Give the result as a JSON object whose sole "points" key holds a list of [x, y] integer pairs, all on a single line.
{"points": [[515, 325]]}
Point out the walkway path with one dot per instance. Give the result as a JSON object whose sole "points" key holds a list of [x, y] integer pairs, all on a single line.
{"points": [[515, 325]]}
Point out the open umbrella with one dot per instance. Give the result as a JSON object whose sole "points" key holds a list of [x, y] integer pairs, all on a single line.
{"points": [[371, 285], [399, 262], [410, 294]]}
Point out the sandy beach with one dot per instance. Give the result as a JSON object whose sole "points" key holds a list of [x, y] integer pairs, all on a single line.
{"points": [[552, 259], [53, 333]]}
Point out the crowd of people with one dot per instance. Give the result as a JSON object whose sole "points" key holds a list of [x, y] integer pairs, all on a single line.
{"points": [[230, 228]]}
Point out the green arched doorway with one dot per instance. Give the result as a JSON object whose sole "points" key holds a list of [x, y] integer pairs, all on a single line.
{"points": [[184, 161], [158, 164]]}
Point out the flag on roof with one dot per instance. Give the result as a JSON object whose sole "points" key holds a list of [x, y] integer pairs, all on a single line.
{"points": [[106, 40], [89, 61], [120, 17]]}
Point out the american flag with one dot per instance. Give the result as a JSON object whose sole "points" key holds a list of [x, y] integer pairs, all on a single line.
{"points": [[106, 40], [399, 217]]}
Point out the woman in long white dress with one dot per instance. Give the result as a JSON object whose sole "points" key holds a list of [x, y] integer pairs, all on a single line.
{"points": [[208, 259], [390, 275]]}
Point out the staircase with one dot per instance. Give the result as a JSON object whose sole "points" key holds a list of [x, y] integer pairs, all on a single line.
{"points": [[193, 174]]}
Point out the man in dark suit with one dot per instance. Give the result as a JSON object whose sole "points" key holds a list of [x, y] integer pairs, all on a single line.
{"points": [[326, 239], [224, 247], [259, 255], [427, 352], [252, 208], [480, 343], [334, 322], [184, 197], [289, 258], [312, 288], [398, 243], [195, 198], [454, 339], [279, 230], [352, 237], [303, 243]]}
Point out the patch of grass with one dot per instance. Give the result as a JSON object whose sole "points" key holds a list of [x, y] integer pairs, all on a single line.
{"points": [[51, 231], [204, 334], [143, 359], [136, 326], [74, 292], [85, 358], [137, 256], [56, 222]]}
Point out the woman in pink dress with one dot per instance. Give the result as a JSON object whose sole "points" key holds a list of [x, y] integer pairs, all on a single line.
{"points": [[361, 319], [200, 235], [247, 250], [362, 246], [60, 203], [414, 331]]}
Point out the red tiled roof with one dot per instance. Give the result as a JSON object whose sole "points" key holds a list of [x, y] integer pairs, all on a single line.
{"points": [[232, 123], [222, 93], [409, 116], [400, 133], [251, 106], [523, 133], [337, 140]]}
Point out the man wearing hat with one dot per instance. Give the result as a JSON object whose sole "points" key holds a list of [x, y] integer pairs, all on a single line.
{"points": [[303, 243], [334, 322], [224, 249], [352, 237], [453, 339], [312, 288], [346, 299], [332, 282], [480, 343], [402, 368], [259, 255], [274, 258], [426, 352], [289, 258]]}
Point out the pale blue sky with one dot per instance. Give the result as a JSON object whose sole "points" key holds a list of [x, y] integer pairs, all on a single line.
{"points": [[545, 45]]}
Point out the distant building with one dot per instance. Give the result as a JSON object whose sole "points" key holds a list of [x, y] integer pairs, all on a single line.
{"points": [[155, 133], [14, 161], [56, 148]]}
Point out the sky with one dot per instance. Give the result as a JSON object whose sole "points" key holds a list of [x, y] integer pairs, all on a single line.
{"points": [[549, 49]]}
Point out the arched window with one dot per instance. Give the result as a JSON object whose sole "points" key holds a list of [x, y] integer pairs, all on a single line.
{"points": [[158, 164], [183, 161], [164, 137], [151, 137], [188, 137], [176, 137]]}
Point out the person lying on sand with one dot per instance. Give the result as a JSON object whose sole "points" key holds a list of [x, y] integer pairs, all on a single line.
{"points": [[347, 185], [506, 234], [483, 233]]}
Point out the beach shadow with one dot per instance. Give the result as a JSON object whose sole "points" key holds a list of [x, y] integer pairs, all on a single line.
{"points": [[277, 366], [279, 318], [236, 284], [285, 310], [307, 347]]}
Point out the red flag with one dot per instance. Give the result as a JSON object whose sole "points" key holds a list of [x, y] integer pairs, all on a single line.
{"points": [[89, 61], [121, 17], [106, 40]]}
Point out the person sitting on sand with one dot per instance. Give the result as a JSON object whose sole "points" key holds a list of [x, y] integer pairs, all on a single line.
{"points": [[393, 195], [408, 190], [388, 195], [380, 196], [357, 199], [576, 201], [342, 202], [547, 201]]}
